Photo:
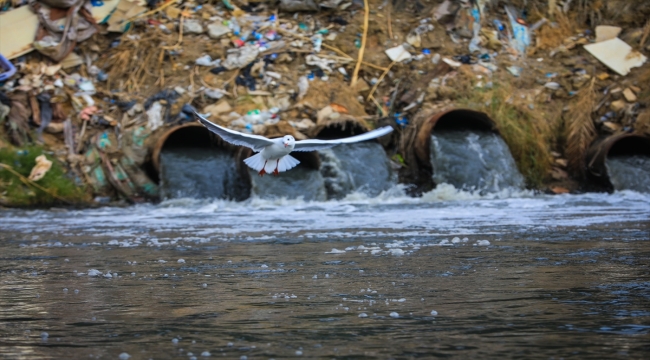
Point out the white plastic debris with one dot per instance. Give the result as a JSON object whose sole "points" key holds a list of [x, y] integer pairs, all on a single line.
{"points": [[206, 60], [322, 63], [398, 53], [154, 116], [451, 62], [217, 30], [303, 86], [94, 272], [241, 57], [335, 251]]}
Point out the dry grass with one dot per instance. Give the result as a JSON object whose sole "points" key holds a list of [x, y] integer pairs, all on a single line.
{"points": [[529, 133], [549, 37], [580, 129]]}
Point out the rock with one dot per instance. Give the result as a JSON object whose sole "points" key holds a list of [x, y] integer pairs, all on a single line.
{"points": [[217, 30], [559, 174], [173, 12], [636, 89], [629, 95], [611, 127], [218, 108], [617, 105], [192, 27], [603, 76], [561, 162], [559, 190], [298, 5], [606, 32]]}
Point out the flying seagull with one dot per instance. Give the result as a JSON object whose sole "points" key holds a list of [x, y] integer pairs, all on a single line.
{"points": [[273, 154]]}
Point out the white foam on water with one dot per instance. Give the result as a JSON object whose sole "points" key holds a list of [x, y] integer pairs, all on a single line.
{"points": [[444, 213]]}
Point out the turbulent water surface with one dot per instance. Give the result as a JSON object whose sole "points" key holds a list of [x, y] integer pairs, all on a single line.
{"points": [[629, 172], [449, 274], [473, 160], [200, 173]]}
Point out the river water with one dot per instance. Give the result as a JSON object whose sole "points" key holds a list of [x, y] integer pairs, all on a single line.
{"points": [[451, 274]]}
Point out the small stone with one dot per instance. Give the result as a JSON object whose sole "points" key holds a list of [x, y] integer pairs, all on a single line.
{"points": [[394, 315], [192, 27], [559, 190], [221, 107], [559, 174], [629, 95], [434, 313], [124, 356], [173, 12], [363, 315], [205, 354], [617, 105], [181, 261], [561, 162], [636, 89], [602, 76], [611, 127]]}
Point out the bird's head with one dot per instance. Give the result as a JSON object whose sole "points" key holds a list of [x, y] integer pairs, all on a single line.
{"points": [[288, 141]]}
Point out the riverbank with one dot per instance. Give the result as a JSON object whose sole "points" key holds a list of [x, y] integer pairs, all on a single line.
{"points": [[103, 114]]}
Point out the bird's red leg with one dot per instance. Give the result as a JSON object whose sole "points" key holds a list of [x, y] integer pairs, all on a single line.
{"points": [[263, 171], [276, 172]]}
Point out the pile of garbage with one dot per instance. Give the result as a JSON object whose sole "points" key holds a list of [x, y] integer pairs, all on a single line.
{"points": [[97, 82]]}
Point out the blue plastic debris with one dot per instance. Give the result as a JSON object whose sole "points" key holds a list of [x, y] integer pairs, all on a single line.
{"points": [[401, 120], [8, 69]]}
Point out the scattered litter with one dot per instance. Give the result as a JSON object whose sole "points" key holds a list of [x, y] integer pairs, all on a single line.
{"points": [[43, 165]]}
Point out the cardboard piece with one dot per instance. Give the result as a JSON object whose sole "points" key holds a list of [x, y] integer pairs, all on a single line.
{"points": [[606, 32], [616, 55], [18, 28]]}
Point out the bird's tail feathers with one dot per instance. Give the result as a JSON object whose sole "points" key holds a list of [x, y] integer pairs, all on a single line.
{"points": [[255, 162], [287, 162]]}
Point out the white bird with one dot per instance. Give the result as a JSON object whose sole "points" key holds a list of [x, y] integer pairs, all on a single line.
{"points": [[273, 154]]}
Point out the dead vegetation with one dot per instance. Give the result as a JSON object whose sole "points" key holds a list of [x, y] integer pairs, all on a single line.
{"points": [[580, 128]]}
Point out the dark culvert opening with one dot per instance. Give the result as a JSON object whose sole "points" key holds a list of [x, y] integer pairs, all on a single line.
{"points": [[338, 130], [631, 146], [618, 151], [190, 161], [464, 120], [467, 154]]}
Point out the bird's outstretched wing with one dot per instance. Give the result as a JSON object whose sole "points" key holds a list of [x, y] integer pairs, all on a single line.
{"points": [[315, 144], [255, 142]]}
